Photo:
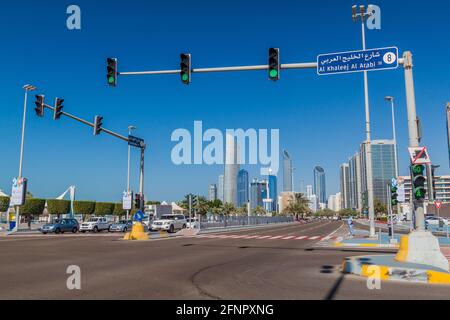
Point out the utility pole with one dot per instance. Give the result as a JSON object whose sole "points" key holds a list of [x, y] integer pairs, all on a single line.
{"points": [[130, 129], [368, 149], [27, 89]]}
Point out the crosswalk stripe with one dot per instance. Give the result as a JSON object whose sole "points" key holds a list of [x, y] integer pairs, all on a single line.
{"points": [[263, 237], [287, 238], [276, 237], [314, 238], [301, 238]]}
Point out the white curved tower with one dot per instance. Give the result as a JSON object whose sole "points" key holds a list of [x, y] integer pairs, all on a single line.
{"points": [[231, 170]]}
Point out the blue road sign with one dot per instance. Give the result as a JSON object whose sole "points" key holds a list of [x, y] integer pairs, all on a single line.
{"points": [[135, 141], [138, 216], [357, 61], [394, 182]]}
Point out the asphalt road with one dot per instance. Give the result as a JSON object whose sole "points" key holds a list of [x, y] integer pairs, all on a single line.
{"points": [[191, 268]]}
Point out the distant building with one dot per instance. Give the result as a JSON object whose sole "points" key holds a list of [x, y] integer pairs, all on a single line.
{"points": [[354, 168], [273, 192], [345, 185], [231, 170], [220, 188], [319, 184], [309, 191], [212, 192], [242, 188], [448, 129], [334, 202], [314, 204], [258, 192], [383, 167], [287, 172]]}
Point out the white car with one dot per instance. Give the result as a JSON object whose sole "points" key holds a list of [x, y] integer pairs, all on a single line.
{"points": [[434, 221], [193, 223], [170, 223], [95, 224]]}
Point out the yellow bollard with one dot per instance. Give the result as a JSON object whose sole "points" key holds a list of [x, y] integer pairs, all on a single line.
{"points": [[402, 253], [137, 233]]}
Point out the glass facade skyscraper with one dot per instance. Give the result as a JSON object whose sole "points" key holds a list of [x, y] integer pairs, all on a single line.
{"points": [[257, 193], [345, 186], [273, 192], [287, 172], [383, 167], [242, 188], [319, 184]]}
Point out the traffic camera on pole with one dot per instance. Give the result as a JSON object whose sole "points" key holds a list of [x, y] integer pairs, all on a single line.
{"points": [[57, 111], [418, 181], [185, 66], [39, 105], [274, 64], [98, 122], [112, 71]]}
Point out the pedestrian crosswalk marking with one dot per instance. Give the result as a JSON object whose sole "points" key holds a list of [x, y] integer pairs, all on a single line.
{"points": [[267, 237]]}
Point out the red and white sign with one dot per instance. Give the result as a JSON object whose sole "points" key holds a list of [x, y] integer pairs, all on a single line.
{"points": [[419, 155], [438, 204]]}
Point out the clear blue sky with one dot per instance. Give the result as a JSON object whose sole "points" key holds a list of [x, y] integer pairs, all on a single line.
{"points": [[321, 119]]}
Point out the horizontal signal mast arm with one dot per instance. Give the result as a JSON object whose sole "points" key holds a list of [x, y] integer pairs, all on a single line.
{"points": [[112, 133]]}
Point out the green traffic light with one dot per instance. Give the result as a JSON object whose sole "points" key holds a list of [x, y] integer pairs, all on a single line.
{"points": [[420, 194], [418, 169], [184, 77], [110, 80], [273, 73]]}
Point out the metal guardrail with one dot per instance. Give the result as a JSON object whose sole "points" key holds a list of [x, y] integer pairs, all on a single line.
{"points": [[221, 221]]}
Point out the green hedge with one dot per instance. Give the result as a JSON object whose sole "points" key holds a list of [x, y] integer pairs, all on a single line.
{"points": [[33, 207], [58, 207], [104, 208], [118, 210], [4, 204], [85, 208]]}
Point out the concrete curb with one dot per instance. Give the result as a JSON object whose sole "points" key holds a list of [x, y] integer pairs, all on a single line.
{"points": [[373, 266], [366, 245]]}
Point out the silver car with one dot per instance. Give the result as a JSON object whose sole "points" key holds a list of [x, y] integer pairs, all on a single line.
{"points": [[121, 226]]}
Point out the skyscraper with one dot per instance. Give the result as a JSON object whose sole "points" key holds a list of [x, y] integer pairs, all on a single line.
{"points": [[242, 188], [383, 167], [257, 193], [319, 184], [448, 129], [287, 172], [231, 170], [220, 188], [345, 185], [212, 192], [354, 164], [273, 192]]}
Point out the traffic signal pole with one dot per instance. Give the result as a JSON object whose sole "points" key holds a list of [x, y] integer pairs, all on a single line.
{"points": [[118, 136]]}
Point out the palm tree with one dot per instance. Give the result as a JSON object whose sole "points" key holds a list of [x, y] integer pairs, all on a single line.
{"points": [[228, 208], [259, 211], [298, 206]]}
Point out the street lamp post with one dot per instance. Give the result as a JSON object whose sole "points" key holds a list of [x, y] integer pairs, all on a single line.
{"points": [[363, 15], [27, 89], [394, 135], [130, 129]]}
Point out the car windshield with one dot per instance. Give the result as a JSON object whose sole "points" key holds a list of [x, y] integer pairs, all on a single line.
{"points": [[123, 222], [56, 221], [167, 217], [93, 220]]}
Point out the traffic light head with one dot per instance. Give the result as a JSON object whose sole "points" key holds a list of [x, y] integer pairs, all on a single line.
{"points": [[111, 71], [98, 122], [57, 111], [185, 67], [418, 181], [274, 64], [137, 201], [394, 195], [39, 105]]}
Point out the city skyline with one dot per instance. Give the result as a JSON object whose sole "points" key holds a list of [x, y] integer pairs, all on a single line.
{"points": [[161, 104]]}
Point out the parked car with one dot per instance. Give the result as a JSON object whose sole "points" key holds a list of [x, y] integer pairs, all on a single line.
{"points": [[121, 226], [170, 223], [95, 224], [193, 223], [434, 221], [60, 226]]}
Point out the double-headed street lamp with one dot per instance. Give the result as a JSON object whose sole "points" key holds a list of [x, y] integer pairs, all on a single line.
{"points": [[363, 15], [27, 88], [130, 129]]}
